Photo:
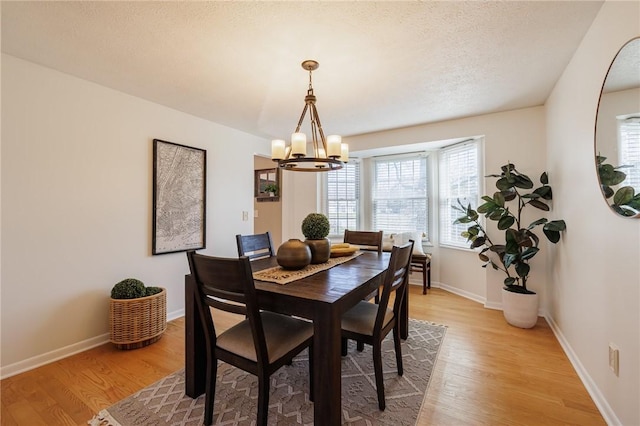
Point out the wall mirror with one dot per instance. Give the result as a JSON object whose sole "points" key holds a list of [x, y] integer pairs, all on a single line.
{"points": [[617, 132], [267, 184]]}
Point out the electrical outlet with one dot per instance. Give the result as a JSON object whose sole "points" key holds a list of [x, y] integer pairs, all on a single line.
{"points": [[245, 216], [614, 358]]}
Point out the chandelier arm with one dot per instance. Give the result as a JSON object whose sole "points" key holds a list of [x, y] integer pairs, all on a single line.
{"points": [[314, 136], [314, 111], [304, 112]]}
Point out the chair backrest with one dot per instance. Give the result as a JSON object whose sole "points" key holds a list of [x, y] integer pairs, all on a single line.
{"points": [[226, 284], [368, 240], [395, 279], [256, 246]]}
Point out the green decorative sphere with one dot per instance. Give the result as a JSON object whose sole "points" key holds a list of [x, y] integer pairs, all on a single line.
{"points": [[315, 226], [129, 288]]}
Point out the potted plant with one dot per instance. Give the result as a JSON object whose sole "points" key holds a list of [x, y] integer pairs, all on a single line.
{"points": [[137, 314], [520, 244], [315, 228], [271, 189]]}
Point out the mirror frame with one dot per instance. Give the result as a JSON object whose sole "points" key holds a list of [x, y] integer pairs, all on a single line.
{"points": [[611, 193]]}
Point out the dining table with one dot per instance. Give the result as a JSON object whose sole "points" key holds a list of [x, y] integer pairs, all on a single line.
{"points": [[322, 298]]}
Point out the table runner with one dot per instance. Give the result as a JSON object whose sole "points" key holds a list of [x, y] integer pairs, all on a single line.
{"points": [[279, 275]]}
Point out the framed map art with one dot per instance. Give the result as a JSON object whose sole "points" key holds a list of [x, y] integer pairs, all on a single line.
{"points": [[179, 197]]}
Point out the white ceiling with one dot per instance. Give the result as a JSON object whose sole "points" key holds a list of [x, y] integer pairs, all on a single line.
{"points": [[383, 65]]}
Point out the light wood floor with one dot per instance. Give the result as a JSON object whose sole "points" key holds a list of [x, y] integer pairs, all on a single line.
{"points": [[487, 373]]}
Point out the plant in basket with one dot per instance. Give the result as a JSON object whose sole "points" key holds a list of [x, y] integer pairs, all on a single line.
{"points": [[137, 314]]}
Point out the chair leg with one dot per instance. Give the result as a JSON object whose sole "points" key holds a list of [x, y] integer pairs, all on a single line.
{"points": [[377, 368], [360, 346], [311, 382], [424, 278], [210, 391], [263, 401], [396, 341], [344, 343]]}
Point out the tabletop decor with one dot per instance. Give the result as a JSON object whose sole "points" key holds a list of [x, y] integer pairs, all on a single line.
{"points": [[281, 275], [315, 228], [293, 254], [165, 403]]}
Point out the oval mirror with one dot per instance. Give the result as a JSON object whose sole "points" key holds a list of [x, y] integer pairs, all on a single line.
{"points": [[617, 135]]}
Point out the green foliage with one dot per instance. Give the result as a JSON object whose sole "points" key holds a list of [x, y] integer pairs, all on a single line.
{"points": [[272, 187], [625, 201], [150, 291], [129, 288], [315, 226], [520, 242]]}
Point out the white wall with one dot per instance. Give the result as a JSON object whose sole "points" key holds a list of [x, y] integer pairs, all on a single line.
{"points": [[594, 272], [77, 201], [515, 136]]}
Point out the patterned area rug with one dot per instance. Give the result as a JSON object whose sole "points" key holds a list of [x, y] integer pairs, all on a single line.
{"points": [[164, 402]]}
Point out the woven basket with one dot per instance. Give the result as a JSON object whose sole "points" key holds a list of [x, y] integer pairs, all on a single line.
{"points": [[136, 323]]}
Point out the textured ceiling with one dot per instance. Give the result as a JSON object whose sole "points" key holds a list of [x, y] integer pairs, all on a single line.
{"points": [[382, 64]]}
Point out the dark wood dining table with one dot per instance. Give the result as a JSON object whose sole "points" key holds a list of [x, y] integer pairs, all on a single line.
{"points": [[322, 297]]}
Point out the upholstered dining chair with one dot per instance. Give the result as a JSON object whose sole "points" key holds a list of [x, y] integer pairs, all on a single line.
{"points": [[255, 246], [260, 344], [369, 323]]}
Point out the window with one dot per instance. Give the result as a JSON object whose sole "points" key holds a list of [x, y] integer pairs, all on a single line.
{"points": [[629, 150], [400, 195], [343, 198], [459, 180]]}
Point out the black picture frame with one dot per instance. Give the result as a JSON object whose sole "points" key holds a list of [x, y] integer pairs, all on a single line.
{"points": [[179, 197]]}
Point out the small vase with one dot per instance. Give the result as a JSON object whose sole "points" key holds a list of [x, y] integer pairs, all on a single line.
{"points": [[320, 250], [293, 254]]}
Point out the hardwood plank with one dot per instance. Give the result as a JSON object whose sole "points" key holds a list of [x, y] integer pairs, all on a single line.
{"points": [[487, 373]]}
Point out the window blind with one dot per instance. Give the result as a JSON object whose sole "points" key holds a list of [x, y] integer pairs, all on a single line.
{"points": [[343, 198], [459, 180], [629, 151], [400, 194]]}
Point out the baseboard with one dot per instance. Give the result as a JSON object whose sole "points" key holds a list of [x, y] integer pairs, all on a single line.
{"points": [[49, 357], [463, 293], [57, 354], [593, 390]]}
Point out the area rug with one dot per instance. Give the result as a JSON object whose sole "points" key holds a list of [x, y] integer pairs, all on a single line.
{"points": [[164, 402]]}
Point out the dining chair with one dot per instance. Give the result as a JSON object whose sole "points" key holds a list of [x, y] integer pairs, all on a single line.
{"points": [[255, 246], [260, 344], [366, 240], [369, 323]]}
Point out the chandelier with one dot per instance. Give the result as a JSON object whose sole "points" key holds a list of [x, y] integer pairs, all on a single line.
{"points": [[328, 153]]}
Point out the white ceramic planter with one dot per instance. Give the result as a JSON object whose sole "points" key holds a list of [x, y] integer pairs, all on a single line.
{"points": [[520, 310]]}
